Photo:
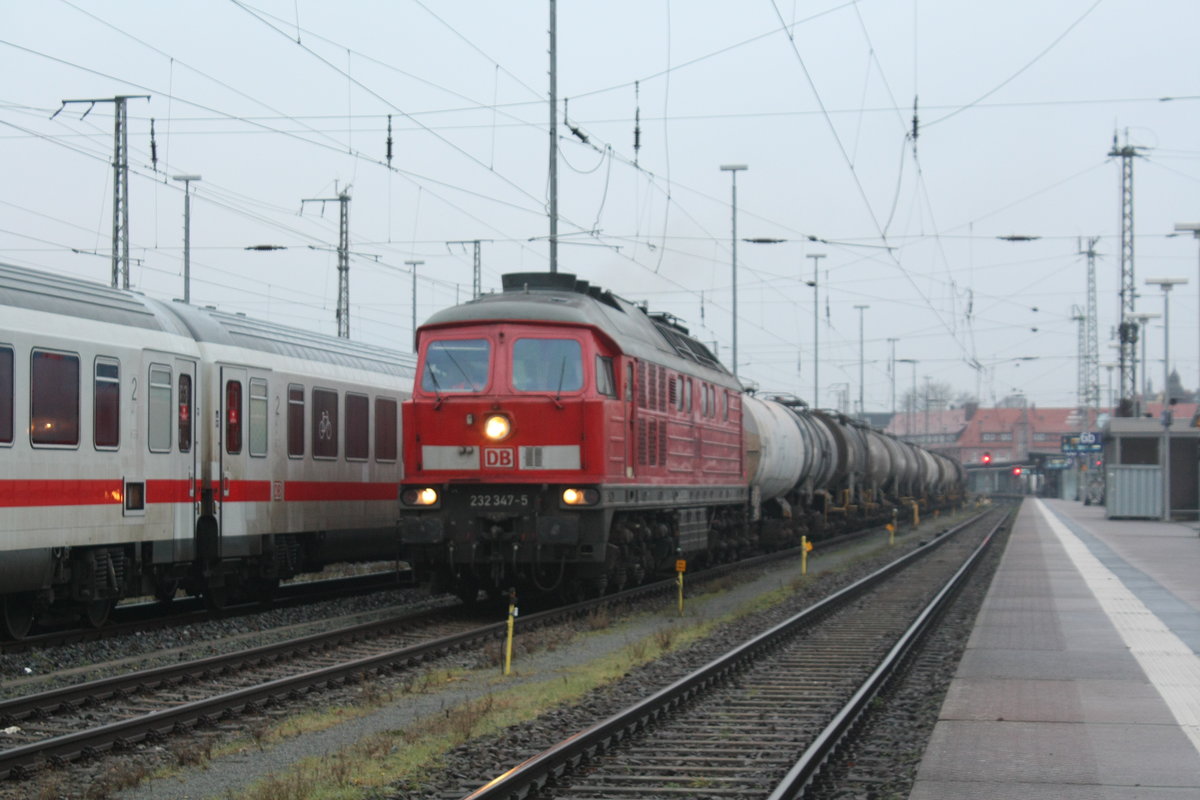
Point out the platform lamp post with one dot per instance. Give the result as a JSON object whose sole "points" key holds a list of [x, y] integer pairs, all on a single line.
{"points": [[1143, 317], [1194, 227], [187, 233], [733, 170], [912, 402], [1165, 284]]}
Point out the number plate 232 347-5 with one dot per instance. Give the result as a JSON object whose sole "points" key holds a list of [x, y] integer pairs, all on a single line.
{"points": [[499, 500]]}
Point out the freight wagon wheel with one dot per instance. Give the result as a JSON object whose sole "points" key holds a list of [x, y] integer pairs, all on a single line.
{"points": [[96, 613], [16, 615]]}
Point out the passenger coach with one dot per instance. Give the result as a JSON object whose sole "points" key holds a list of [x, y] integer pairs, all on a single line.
{"points": [[147, 447]]}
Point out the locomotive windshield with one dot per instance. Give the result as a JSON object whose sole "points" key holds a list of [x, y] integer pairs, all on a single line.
{"points": [[547, 365], [456, 365]]}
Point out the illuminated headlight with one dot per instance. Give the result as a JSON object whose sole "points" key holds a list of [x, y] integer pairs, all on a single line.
{"points": [[420, 497], [580, 497], [497, 427]]}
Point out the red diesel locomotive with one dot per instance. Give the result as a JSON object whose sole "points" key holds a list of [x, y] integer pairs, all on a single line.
{"points": [[562, 438]]}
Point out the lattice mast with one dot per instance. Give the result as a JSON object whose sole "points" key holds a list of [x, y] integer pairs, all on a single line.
{"points": [[1127, 329], [120, 230], [1090, 398], [343, 254]]}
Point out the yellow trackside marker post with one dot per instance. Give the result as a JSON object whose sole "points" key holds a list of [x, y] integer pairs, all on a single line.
{"points": [[805, 549], [680, 568], [512, 616], [891, 529]]}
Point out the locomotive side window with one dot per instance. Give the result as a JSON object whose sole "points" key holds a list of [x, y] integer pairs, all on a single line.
{"points": [[386, 429], [258, 417], [6, 395], [547, 365], [629, 382], [106, 404], [53, 398], [358, 423], [158, 418], [295, 420], [605, 384], [233, 417], [185, 413], [325, 423], [456, 365]]}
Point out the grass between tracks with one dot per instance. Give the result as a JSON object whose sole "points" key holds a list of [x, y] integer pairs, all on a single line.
{"points": [[414, 755]]}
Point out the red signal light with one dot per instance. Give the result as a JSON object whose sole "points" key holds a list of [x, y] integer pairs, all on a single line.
{"points": [[987, 458], [1016, 470]]}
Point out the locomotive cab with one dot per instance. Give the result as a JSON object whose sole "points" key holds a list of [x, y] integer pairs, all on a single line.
{"points": [[507, 454]]}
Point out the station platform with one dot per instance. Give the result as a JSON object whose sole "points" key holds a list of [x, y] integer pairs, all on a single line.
{"points": [[1081, 678]]}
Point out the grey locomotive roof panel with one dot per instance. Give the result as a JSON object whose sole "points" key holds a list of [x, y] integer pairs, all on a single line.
{"points": [[562, 298]]}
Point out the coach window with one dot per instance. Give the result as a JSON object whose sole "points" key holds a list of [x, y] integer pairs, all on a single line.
{"points": [[158, 417], [106, 404], [6, 395], [233, 417], [385, 429], [54, 398], [358, 426], [258, 417], [325, 423], [456, 365], [295, 416], [547, 365], [185, 413], [605, 384]]}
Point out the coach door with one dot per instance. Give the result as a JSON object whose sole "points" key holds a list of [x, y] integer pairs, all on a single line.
{"points": [[187, 504], [233, 395]]}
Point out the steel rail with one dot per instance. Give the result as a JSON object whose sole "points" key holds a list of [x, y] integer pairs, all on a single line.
{"points": [[24, 759], [529, 777], [842, 725]]}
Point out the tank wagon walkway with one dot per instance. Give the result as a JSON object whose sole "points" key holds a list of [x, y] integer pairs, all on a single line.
{"points": [[1082, 676]]}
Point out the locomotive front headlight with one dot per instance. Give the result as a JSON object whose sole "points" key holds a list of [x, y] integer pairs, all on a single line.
{"points": [[580, 497], [420, 497], [497, 427]]}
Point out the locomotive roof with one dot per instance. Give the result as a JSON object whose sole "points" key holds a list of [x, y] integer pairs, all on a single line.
{"points": [[563, 298], [59, 294]]}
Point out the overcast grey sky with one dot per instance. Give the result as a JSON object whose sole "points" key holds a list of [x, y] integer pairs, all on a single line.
{"points": [[273, 101]]}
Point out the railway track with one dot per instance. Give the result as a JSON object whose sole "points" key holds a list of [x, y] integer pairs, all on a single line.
{"points": [[86, 720], [135, 618], [761, 720]]}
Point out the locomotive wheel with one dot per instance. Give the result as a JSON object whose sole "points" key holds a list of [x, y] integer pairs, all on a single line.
{"points": [[96, 613], [16, 615]]}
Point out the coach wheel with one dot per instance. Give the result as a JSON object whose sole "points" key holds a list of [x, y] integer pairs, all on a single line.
{"points": [[217, 598], [17, 615], [96, 613]]}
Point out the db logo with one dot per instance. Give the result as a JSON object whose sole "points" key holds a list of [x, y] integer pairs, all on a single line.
{"points": [[499, 458]]}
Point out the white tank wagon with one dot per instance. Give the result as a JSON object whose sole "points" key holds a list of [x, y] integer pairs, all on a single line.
{"points": [[816, 471]]}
